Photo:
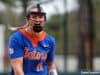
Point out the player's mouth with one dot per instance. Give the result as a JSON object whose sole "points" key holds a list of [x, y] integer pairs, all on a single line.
{"points": [[37, 28]]}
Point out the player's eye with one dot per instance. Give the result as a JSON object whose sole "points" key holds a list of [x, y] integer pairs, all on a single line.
{"points": [[40, 16], [33, 16]]}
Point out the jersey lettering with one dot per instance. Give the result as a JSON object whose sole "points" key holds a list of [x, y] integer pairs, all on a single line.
{"points": [[34, 55]]}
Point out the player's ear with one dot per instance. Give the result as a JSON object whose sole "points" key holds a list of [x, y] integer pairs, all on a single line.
{"points": [[27, 17]]}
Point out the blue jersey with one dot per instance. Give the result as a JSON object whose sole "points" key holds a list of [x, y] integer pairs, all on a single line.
{"points": [[36, 51]]}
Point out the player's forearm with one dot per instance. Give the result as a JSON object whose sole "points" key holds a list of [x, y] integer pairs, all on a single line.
{"points": [[17, 65], [52, 69], [19, 72], [51, 65]]}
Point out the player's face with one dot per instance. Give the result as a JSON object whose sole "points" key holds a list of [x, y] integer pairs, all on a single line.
{"points": [[36, 17], [36, 20]]}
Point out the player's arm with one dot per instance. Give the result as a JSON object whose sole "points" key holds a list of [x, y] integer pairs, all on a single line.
{"points": [[17, 65], [50, 59], [16, 52], [52, 68]]}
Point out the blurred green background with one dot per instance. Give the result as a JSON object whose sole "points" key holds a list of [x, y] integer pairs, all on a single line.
{"points": [[63, 22]]}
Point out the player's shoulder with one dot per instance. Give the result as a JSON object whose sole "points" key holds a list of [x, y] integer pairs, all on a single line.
{"points": [[15, 35], [51, 40], [50, 37]]}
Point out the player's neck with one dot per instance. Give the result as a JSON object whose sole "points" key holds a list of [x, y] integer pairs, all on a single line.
{"points": [[32, 32]]}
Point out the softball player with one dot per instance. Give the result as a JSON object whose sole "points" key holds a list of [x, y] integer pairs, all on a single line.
{"points": [[31, 49]]}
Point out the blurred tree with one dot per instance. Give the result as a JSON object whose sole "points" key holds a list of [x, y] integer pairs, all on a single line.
{"points": [[24, 4], [54, 22], [96, 4], [65, 35], [23, 16], [5, 19], [54, 27], [86, 35], [9, 2]]}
